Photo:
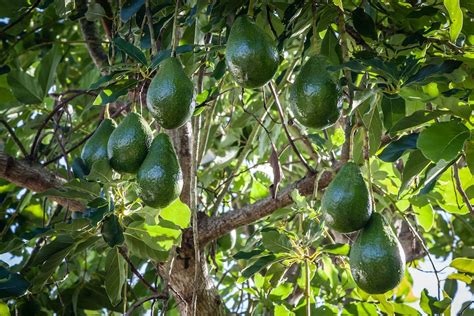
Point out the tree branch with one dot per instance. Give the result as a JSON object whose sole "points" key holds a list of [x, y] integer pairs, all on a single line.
{"points": [[34, 178], [211, 228], [15, 138], [461, 190], [93, 42]]}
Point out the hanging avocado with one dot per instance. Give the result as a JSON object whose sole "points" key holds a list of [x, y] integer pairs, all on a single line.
{"points": [[376, 258], [251, 55], [95, 149], [159, 177], [346, 204], [128, 144], [314, 97], [170, 95]]}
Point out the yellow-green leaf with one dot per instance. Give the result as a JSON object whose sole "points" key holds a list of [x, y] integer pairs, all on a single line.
{"points": [[463, 264], [455, 15]]}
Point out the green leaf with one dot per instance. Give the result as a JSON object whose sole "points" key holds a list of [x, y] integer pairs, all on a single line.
{"points": [[404, 309], [177, 213], [431, 305], [330, 47], [282, 310], [138, 248], [47, 69], [414, 165], [112, 231], [112, 93], [24, 87], [275, 241], [469, 151], [162, 55], [463, 264], [336, 249], [443, 140], [115, 276], [415, 119], [248, 254], [461, 277], [426, 72], [130, 8], [424, 215], [363, 23], [393, 110], [4, 310], [397, 148], [131, 50], [12, 284], [373, 124], [456, 18], [258, 265]]}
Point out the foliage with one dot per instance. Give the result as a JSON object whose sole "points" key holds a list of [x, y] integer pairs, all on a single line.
{"points": [[406, 67]]}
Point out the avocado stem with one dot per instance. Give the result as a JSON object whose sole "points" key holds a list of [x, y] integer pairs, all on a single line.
{"points": [[307, 288], [174, 37]]}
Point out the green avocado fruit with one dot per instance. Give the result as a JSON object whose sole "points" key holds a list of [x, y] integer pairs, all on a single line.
{"points": [[251, 55], [170, 95], [376, 258], [95, 148], [346, 204], [159, 177], [128, 144], [314, 97]]}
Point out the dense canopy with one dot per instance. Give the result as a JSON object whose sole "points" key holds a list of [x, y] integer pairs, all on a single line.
{"points": [[392, 92]]}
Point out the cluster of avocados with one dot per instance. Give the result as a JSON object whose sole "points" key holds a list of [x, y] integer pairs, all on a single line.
{"points": [[376, 258], [129, 149]]}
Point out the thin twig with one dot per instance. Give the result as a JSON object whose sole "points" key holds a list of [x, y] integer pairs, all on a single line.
{"points": [[154, 48], [288, 135], [15, 138], [422, 242], [21, 17], [139, 303], [174, 39], [124, 254], [461, 190], [58, 107]]}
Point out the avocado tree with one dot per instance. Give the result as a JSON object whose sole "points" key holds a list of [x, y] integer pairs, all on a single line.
{"points": [[199, 157]]}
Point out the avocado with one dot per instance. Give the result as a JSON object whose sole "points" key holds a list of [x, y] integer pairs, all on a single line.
{"points": [[95, 148], [376, 258], [346, 204], [170, 95], [128, 144], [314, 97], [159, 177], [251, 55]]}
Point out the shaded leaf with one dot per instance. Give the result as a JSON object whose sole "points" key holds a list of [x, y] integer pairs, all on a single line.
{"points": [[47, 69], [115, 276], [258, 265], [446, 67], [131, 50], [393, 110], [12, 284], [414, 165], [130, 8], [24, 87], [112, 231], [415, 119], [397, 148], [275, 241], [363, 23]]}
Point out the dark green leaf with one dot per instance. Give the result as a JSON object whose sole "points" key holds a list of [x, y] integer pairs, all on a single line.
{"points": [[47, 69], [258, 265], [162, 55], [24, 87], [415, 119], [12, 284], [275, 241], [130, 8], [446, 67], [415, 164], [363, 23], [393, 110], [397, 148], [131, 50], [330, 47], [112, 231], [115, 276]]}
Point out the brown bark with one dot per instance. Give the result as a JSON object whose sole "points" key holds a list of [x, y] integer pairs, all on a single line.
{"points": [[34, 178]]}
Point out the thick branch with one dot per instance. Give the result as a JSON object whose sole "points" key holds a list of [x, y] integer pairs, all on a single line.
{"points": [[35, 178], [211, 228], [93, 42]]}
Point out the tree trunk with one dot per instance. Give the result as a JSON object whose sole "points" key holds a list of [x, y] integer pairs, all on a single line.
{"points": [[180, 271]]}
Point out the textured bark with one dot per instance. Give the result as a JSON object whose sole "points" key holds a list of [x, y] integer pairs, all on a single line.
{"points": [[34, 178], [180, 278]]}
